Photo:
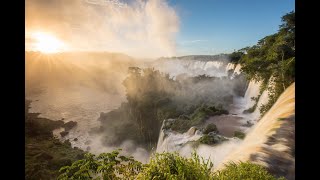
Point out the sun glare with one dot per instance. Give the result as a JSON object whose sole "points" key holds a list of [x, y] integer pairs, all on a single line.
{"points": [[47, 43]]}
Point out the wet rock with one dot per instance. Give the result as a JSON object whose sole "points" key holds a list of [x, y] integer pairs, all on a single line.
{"points": [[69, 125], [64, 133]]}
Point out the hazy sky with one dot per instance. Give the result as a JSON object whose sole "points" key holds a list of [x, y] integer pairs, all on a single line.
{"points": [[218, 26], [153, 28]]}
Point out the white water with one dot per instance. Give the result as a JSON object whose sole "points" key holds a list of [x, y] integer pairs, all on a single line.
{"points": [[255, 142], [193, 68], [161, 137], [179, 142]]}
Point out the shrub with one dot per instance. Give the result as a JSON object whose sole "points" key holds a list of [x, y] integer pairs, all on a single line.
{"points": [[206, 139], [106, 165], [210, 128], [239, 135], [244, 170], [173, 166]]}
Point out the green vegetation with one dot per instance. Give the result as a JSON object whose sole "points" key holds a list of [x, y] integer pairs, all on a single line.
{"points": [[185, 122], [44, 154], [154, 96], [239, 135], [106, 166], [161, 166], [210, 128], [210, 139], [244, 170], [272, 60], [173, 166], [206, 139]]}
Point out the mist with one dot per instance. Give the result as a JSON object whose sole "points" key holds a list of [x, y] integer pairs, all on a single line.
{"points": [[139, 28]]}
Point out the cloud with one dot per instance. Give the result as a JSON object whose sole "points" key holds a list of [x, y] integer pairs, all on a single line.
{"points": [[141, 28]]}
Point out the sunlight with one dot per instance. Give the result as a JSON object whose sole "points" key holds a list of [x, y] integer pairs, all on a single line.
{"points": [[47, 43]]}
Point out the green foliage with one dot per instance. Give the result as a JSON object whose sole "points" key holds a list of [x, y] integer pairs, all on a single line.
{"points": [[173, 166], [44, 154], [236, 56], [256, 100], [210, 128], [239, 135], [244, 170], [206, 139], [273, 59], [198, 116], [104, 166], [161, 167]]}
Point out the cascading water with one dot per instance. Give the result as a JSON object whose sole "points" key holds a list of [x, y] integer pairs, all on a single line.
{"points": [[193, 68], [173, 141], [271, 141], [161, 137]]}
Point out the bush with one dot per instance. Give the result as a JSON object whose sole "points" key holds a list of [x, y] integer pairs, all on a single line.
{"points": [[106, 166], [239, 135], [244, 170], [162, 166], [206, 139], [172, 166], [198, 116], [210, 128]]}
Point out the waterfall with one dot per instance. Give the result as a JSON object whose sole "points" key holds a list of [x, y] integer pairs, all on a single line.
{"points": [[175, 141], [260, 140], [237, 69], [161, 137], [193, 67]]}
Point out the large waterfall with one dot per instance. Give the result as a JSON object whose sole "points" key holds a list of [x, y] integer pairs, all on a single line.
{"points": [[181, 142], [271, 141], [193, 68]]}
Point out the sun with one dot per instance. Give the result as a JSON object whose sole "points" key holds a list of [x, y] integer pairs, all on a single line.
{"points": [[47, 43]]}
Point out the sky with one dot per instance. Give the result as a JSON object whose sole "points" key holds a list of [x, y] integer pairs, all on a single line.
{"points": [[151, 28], [222, 26]]}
